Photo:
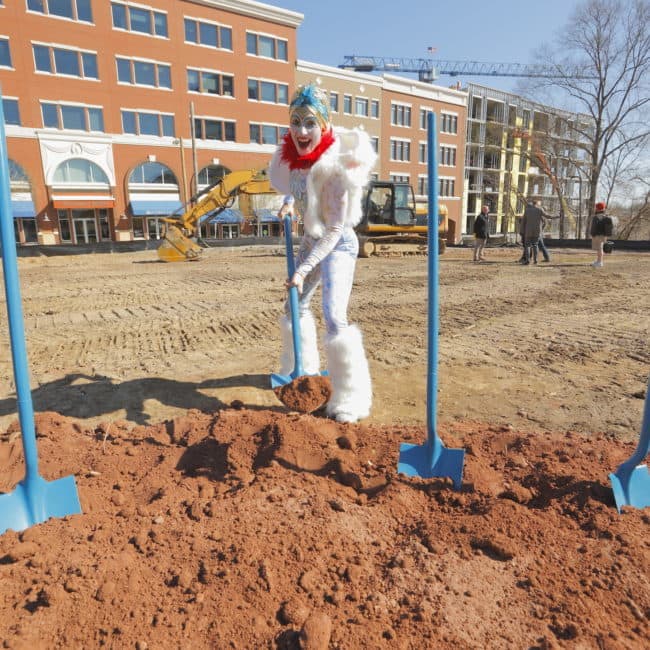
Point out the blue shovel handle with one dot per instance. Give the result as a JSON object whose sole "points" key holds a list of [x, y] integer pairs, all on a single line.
{"points": [[15, 314], [293, 299], [643, 448]]}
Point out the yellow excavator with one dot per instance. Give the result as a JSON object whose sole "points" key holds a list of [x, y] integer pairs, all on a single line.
{"points": [[393, 223], [178, 245]]}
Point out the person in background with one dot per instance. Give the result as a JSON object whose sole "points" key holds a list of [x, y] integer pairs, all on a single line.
{"points": [[532, 225], [601, 228], [481, 233], [324, 171]]}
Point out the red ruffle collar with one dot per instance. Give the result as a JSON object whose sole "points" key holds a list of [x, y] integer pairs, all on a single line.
{"points": [[291, 156]]}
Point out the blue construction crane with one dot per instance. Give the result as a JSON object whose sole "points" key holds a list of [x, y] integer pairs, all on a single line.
{"points": [[429, 70]]}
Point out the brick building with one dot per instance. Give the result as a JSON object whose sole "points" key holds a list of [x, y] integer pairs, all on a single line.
{"points": [[99, 99]]}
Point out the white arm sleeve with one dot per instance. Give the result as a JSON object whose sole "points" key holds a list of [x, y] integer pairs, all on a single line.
{"points": [[334, 203]]}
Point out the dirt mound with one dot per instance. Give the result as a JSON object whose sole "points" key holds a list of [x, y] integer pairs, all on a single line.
{"points": [[257, 529]]}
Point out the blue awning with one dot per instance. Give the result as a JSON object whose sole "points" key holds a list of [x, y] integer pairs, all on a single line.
{"points": [[155, 208], [229, 215], [23, 209], [265, 215]]}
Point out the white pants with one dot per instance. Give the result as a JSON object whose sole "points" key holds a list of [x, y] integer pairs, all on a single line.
{"points": [[336, 272]]}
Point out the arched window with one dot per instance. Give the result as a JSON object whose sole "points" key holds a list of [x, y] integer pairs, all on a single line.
{"points": [[153, 173], [17, 175], [78, 171], [153, 195], [211, 174]]}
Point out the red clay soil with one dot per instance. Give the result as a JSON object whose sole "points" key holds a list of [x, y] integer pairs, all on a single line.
{"points": [[305, 394], [258, 529]]}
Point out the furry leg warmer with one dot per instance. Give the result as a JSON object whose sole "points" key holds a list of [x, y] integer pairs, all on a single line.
{"points": [[308, 342], [350, 375]]}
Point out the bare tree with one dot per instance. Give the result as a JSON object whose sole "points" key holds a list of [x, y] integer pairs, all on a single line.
{"points": [[609, 40], [634, 218]]}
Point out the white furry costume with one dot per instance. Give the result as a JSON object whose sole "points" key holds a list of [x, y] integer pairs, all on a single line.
{"points": [[328, 195]]}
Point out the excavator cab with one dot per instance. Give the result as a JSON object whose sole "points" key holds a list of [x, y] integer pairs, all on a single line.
{"points": [[389, 204]]}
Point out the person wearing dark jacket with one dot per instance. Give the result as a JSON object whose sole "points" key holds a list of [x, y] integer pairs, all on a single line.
{"points": [[601, 228], [481, 233], [532, 225]]}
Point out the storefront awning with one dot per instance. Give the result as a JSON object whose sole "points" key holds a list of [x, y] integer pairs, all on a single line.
{"points": [[266, 216], [155, 208], [229, 215], [23, 209]]}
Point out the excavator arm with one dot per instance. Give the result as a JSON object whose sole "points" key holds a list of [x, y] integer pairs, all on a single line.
{"points": [[177, 245]]}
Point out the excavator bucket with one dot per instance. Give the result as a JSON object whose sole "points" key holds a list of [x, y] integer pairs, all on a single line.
{"points": [[176, 247]]}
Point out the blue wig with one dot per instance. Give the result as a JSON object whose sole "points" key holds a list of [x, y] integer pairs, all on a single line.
{"points": [[313, 98]]}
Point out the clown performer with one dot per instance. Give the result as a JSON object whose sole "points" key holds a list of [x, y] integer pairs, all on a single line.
{"points": [[324, 171]]}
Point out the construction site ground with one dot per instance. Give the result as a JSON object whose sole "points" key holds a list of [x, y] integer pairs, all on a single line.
{"points": [[214, 518]]}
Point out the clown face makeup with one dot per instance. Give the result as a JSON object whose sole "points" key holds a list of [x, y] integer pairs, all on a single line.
{"points": [[305, 130]]}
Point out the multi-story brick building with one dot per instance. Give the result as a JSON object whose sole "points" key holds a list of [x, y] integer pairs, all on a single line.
{"points": [[403, 152], [116, 112]]}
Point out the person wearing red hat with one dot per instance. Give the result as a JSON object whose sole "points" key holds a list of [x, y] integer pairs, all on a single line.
{"points": [[601, 228]]}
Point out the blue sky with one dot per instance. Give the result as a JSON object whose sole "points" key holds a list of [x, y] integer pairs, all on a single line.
{"points": [[465, 30]]}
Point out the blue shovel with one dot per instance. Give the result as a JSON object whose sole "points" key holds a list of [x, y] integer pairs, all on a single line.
{"points": [[277, 379], [432, 459], [631, 481], [34, 500]]}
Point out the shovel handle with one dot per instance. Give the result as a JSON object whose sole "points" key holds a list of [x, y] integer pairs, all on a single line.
{"points": [[15, 312], [293, 299], [435, 444], [643, 448]]}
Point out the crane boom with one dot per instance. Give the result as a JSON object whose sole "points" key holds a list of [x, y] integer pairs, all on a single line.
{"points": [[429, 69]]}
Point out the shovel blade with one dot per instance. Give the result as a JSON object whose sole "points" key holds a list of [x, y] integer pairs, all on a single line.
{"points": [[416, 460], [631, 488], [35, 501], [278, 380]]}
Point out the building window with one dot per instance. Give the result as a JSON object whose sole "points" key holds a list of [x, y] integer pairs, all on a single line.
{"points": [[448, 123], [73, 117], [400, 150], [375, 143], [10, 110], [76, 171], [347, 104], [266, 133], [424, 112], [423, 185], [142, 123], [268, 91], [400, 115], [374, 108], [72, 9], [422, 152], [58, 60], [153, 173], [208, 34], [209, 129], [144, 73], [446, 186], [210, 174], [142, 20], [400, 178], [448, 156], [361, 107], [5, 54], [212, 83], [266, 46], [334, 102]]}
